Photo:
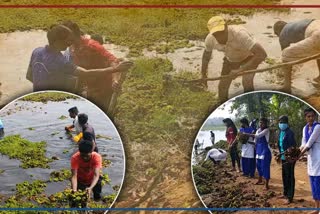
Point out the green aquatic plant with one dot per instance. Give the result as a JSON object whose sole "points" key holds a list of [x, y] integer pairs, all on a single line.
{"points": [[31, 154], [106, 163], [62, 117], [61, 175], [26, 189], [105, 179], [31, 129], [153, 106], [98, 136], [44, 97], [151, 26]]}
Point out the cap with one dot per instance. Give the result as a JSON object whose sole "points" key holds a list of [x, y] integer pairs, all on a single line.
{"points": [[216, 24]]}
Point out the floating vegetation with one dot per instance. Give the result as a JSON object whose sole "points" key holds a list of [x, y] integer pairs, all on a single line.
{"points": [[150, 26], [31, 128], [44, 97], [62, 117], [31, 154], [2, 171], [26, 189], [61, 175], [99, 136], [65, 151], [105, 179], [106, 163]]}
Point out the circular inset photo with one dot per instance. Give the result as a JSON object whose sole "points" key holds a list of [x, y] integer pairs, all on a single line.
{"points": [[259, 149], [58, 150]]}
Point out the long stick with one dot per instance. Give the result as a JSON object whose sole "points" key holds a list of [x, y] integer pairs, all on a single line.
{"points": [[114, 98], [258, 70]]}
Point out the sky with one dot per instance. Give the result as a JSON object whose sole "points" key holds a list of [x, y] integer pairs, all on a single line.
{"points": [[223, 110]]}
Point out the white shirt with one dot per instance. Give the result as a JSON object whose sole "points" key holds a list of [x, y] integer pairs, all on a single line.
{"points": [[238, 46], [314, 152], [77, 126], [247, 150], [217, 155]]}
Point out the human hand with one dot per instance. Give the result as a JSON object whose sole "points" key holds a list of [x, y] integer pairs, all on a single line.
{"points": [[124, 66], [116, 85], [88, 190]]}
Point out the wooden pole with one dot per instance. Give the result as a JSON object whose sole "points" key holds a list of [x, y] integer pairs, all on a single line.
{"points": [[115, 95], [258, 70]]}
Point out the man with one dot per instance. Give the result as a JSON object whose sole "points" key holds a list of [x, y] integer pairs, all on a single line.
{"points": [[298, 40], [87, 131], [85, 168], [241, 53], [48, 68], [73, 113], [286, 142], [311, 143], [89, 54], [1, 130], [215, 155]]}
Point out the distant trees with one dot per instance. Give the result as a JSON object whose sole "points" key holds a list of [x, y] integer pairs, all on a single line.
{"points": [[272, 106]]}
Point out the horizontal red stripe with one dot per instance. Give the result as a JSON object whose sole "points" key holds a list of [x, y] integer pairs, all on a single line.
{"points": [[158, 6]]}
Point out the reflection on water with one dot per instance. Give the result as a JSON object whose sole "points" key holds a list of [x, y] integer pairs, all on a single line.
{"points": [[18, 117]]}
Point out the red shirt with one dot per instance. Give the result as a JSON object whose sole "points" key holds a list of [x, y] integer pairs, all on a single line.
{"points": [[230, 134], [85, 170], [90, 54]]}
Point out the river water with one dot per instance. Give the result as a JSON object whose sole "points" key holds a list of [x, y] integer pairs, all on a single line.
{"points": [[19, 116]]}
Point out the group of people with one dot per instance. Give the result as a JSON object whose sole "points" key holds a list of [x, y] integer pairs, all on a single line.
{"points": [[86, 67], [256, 152], [86, 164], [298, 39]]}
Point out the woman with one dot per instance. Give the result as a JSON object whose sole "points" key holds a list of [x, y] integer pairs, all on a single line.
{"points": [[248, 160], [263, 151], [231, 134]]}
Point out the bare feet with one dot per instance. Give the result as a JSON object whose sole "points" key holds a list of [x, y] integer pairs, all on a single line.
{"points": [[287, 202], [282, 197], [259, 183]]}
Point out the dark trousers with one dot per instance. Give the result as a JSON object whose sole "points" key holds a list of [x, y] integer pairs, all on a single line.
{"points": [[96, 189], [224, 84], [288, 179], [1, 133], [234, 156]]}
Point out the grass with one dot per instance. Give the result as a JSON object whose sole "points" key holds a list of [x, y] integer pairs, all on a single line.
{"points": [[135, 28], [31, 154], [44, 97]]}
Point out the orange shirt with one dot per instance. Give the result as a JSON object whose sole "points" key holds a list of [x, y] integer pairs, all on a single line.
{"points": [[85, 170]]}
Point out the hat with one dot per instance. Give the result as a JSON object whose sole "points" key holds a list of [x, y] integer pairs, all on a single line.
{"points": [[284, 119], [216, 24]]}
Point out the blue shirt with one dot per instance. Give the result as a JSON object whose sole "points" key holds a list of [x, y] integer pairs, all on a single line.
{"points": [[1, 124], [49, 69], [293, 32], [281, 137]]}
